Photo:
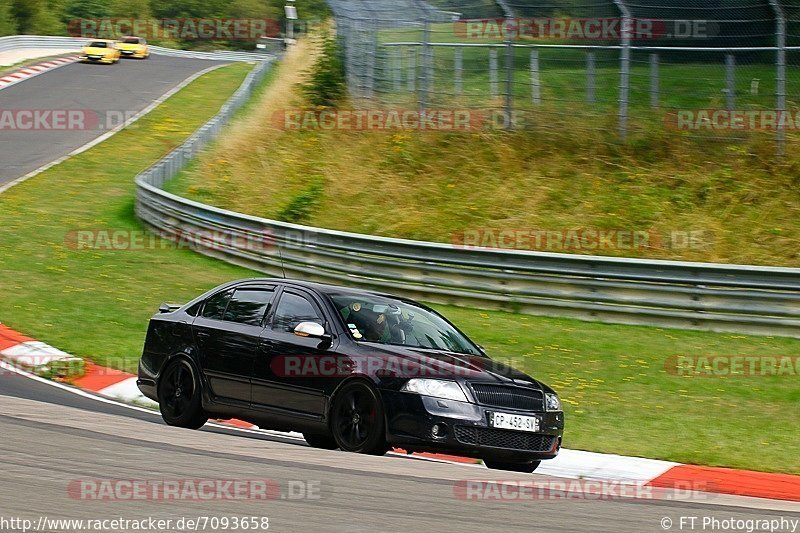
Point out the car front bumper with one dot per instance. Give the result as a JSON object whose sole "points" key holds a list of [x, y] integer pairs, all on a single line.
{"points": [[466, 431], [107, 60]]}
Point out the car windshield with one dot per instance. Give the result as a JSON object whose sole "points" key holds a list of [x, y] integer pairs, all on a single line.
{"points": [[98, 44], [131, 40], [396, 322]]}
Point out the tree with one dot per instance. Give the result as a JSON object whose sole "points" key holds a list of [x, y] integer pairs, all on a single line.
{"points": [[137, 9], [8, 26], [37, 17]]}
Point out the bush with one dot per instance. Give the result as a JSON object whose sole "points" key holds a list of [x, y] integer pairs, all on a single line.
{"points": [[326, 86]]}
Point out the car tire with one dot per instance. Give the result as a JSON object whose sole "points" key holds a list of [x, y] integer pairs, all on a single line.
{"points": [[527, 468], [180, 396], [323, 442], [357, 422]]}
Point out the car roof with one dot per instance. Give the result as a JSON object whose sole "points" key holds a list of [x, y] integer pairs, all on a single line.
{"points": [[320, 287], [102, 41]]}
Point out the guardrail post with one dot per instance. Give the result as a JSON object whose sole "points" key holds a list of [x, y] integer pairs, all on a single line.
{"points": [[458, 65], [655, 83], [493, 82], [730, 81], [590, 78], [536, 86]]}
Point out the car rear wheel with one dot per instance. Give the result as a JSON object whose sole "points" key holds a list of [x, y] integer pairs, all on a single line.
{"points": [[512, 467], [357, 420], [179, 396], [323, 442]]}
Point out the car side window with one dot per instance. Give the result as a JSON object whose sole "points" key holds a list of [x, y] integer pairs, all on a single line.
{"points": [[248, 306], [293, 309], [215, 306]]}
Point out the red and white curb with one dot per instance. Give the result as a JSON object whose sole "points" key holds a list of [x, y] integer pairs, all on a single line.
{"points": [[570, 464], [29, 353], [28, 72]]}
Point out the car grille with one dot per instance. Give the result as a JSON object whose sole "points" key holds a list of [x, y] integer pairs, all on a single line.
{"points": [[509, 397], [499, 438]]}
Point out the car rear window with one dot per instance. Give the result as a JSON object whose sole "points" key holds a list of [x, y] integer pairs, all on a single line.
{"points": [[215, 306], [248, 306], [131, 40], [98, 44]]}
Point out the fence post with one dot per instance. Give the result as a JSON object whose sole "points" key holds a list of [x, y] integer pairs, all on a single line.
{"points": [[397, 67], [412, 69], [509, 82], [780, 75], [655, 82], [493, 85], [430, 76], [372, 57], [510, 26], [625, 67], [590, 78], [730, 81], [423, 82], [458, 59], [536, 86]]}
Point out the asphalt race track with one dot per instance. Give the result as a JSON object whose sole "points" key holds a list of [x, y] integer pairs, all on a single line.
{"points": [[122, 89], [51, 438]]}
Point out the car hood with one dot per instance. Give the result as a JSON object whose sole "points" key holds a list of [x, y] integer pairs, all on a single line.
{"points": [[89, 50], [449, 365], [130, 46]]}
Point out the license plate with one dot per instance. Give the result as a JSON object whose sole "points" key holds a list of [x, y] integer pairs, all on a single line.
{"points": [[95, 57], [514, 422], [127, 52]]}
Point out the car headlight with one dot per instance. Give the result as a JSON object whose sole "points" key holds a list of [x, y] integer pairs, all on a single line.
{"points": [[552, 403], [438, 388]]}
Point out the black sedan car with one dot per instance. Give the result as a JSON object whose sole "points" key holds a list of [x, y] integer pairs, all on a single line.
{"points": [[350, 369]]}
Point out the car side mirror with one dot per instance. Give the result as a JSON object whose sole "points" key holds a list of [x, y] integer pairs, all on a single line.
{"points": [[314, 331]]}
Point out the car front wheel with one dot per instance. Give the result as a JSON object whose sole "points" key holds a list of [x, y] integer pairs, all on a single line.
{"points": [[512, 467], [357, 420], [179, 396]]}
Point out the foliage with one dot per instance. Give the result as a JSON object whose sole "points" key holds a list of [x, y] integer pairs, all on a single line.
{"points": [[326, 85]]}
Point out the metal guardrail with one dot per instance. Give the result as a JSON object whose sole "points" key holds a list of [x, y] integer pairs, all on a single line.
{"points": [[745, 299], [40, 41]]}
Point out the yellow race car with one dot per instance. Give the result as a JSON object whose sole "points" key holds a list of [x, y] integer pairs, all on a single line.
{"points": [[133, 47], [100, 51]]}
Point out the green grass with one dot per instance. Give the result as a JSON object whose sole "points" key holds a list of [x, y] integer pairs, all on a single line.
{"points": [[96, 304], [619, 398]]}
